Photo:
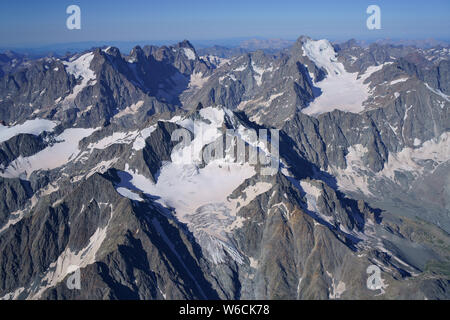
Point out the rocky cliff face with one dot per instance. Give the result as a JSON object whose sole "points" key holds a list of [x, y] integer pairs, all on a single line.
{"points": [[94, 175]]}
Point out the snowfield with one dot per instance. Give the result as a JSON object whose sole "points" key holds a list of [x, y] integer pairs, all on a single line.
{"points": [[340, 89], [199, 196]]}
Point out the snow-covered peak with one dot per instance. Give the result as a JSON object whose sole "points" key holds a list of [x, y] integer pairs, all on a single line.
{"points": [[79, 67], [322, 53]]}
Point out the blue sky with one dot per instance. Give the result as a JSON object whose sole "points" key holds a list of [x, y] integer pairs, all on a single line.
{"points": [[41, 22]]}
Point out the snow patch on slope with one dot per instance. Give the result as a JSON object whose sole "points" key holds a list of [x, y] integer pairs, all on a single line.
{"points": [[438, 92], [127, 193], [357, 176], [136, 137], [133, 109], [312, 194], [215, 60], [189, 53], [258, 72], [64, 150], [139, 143], [337, 289], [70, 261], [197, 80], [116, 138], [409, 159], [352, 178], [79, 68], [34, 127], [398, 81]]}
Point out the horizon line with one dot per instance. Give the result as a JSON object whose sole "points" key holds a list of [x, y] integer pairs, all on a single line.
{"points": [[47, 46]]}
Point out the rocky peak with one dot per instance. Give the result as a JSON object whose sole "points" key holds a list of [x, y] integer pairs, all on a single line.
{"points": [[137, 54]]}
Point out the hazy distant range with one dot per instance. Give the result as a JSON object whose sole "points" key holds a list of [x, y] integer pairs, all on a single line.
{"points": [[247, 44]]}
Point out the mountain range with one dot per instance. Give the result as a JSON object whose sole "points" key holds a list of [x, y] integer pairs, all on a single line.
{"points": [[91, 178]]}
